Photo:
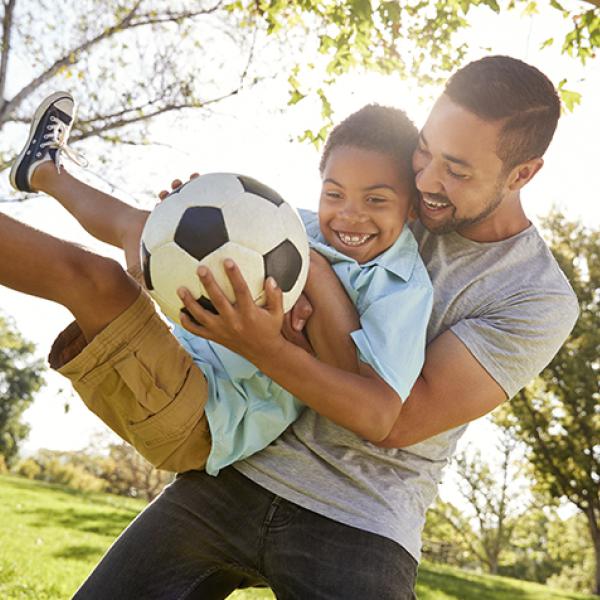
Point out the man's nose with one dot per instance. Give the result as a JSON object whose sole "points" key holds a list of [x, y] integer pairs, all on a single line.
{"points": [[428, 181]]}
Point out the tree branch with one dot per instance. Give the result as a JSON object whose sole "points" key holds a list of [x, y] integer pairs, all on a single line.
{"points": [[70, 57], [7, 23]]}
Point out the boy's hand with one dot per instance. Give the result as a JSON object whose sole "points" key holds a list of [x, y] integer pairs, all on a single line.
{"points": [[176, 183], [243, 327]]}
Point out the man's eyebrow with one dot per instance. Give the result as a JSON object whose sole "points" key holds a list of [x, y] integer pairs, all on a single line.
{"points": [[330, 180], [449, 157]]}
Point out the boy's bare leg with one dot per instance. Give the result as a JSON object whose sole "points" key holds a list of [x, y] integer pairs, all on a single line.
{"points": [[94, 288], [103, 216]]}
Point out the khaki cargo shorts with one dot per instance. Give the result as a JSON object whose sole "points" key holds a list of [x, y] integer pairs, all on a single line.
{"points": [[139, 380]]}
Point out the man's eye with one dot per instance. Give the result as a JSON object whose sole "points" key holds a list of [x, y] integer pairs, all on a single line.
{"points": [[332, 194], [376, 200], [454, 174]]}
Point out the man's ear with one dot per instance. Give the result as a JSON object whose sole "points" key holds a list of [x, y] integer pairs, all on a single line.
{"points": [[524, 173]]}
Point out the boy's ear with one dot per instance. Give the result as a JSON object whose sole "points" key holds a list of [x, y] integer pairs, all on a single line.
{"points": [[524, 173]]}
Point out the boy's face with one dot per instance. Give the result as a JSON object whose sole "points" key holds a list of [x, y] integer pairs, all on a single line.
{"points": [[365, 200], [458, 174]]}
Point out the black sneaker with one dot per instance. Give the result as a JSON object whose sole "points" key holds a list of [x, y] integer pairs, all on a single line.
{"points": [[48, 137]]}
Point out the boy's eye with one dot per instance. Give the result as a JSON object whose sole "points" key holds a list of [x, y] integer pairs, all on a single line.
{"points": [[376, 199], [332, 194]]}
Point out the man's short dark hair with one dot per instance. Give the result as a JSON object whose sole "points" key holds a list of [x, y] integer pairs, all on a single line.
{"points": [[501, 88], [380, 129]]}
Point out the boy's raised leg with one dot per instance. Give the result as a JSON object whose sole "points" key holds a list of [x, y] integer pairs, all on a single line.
{"points": [[38, 168], [94, 288], [103, 216]]}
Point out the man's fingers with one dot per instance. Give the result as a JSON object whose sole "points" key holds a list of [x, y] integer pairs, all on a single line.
{"points": [[274, 297], [301, 312], [194, 175], [176, 183]]}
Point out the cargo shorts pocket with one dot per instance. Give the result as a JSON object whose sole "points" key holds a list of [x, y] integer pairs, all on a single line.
{"points": [[169, 417]]}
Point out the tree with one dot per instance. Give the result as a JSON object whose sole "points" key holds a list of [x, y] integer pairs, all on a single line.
{"points": [[20, 378], [134, 60], [491, 498], [558, 416], [129, 474]]}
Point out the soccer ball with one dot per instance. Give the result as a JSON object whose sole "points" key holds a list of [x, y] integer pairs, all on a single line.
{"points": [[218, 216]]}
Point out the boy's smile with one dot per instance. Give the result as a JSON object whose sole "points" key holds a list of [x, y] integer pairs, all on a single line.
{"points": [[365, 200]]}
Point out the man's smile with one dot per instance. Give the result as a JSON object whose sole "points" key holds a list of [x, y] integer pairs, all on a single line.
{"points": [[434, 205]]}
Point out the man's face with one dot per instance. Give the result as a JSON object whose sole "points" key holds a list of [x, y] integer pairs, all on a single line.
{"points": [[458, 174]]}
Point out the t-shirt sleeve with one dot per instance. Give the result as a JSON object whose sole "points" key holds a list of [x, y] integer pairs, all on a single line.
{"points": [[514, 343], [393, 334]]}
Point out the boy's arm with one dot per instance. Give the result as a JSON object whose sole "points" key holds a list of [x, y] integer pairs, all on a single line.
{"points": [[360, 401], [333, 316]]}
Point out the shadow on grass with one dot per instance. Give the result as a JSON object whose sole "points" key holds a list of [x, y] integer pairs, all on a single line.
{"points": [[457, 587], [85, 553], [104, 523]]}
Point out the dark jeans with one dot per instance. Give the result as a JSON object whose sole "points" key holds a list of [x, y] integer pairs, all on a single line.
{"points": [[205, 536]]}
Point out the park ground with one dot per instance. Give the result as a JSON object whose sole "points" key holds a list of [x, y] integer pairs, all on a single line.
{"points": [[51, 537]]}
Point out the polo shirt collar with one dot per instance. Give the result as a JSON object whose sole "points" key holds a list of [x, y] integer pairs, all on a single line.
{"points": [[400, 258]]}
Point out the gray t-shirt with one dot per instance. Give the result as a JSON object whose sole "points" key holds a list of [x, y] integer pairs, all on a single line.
{"points": [[511, 305]]}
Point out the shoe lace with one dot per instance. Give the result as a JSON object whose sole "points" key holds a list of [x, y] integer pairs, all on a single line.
{"points": [[56, 137]]}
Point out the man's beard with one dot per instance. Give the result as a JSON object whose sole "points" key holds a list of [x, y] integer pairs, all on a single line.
{"points": [[452, 223]]}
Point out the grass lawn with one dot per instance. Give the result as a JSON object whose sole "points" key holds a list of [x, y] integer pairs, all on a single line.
{"points": [[51, 537]]}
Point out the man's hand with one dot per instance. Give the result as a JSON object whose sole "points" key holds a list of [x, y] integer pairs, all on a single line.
{"points": [[176, 183], [243, 327], [294, 322]]}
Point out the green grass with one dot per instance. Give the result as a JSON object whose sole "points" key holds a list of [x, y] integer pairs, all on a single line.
{"points": [[51, 537]]}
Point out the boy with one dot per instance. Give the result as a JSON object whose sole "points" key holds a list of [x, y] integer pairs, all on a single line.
{"points": [[220, 408]]}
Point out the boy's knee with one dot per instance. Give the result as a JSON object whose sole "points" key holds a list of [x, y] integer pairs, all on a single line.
{"points": [[97, 290]]}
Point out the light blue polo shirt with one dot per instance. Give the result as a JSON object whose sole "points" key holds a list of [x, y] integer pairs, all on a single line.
{"points": [[246, 410]]}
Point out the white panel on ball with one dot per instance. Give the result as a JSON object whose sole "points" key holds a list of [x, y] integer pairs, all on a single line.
{"points": [[250, 263], [254, 222], [171, 268]]}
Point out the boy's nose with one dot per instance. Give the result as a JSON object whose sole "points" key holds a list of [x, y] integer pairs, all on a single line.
{"points": [[352, 214]]}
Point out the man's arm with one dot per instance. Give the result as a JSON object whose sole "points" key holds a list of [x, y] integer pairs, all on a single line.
{"points": [[452, 390], [453, 387]]}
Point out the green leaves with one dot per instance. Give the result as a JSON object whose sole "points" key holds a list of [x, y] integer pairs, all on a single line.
{"points": [[569, 98], [20, 378]]}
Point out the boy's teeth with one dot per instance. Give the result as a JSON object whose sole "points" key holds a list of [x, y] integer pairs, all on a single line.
{"points": [[354, 239]]}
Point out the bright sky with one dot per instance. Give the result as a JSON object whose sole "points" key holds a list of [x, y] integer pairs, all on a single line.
{"points": [[249, 136]]}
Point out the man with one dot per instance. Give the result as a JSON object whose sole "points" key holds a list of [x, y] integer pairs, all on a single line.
{"points": [[321, 513]]}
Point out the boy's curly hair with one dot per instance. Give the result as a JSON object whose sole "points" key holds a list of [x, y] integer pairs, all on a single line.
{"points": [[382, 129]]}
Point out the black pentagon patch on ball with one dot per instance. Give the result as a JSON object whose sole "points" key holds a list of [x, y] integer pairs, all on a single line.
{"points": [[283, 263], [146, 267], [260, 189], [201, 230]]}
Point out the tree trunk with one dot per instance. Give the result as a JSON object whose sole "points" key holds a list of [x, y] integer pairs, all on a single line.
{"points": [[595, 534]]}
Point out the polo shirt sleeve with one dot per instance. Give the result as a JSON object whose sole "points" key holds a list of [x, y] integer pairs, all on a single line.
{"points": [[516, 341], [392, 336]]}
